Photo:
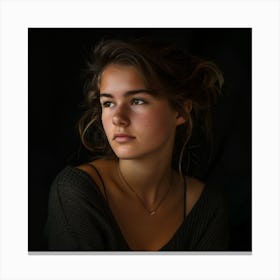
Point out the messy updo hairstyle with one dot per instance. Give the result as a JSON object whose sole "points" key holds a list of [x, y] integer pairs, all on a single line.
{"points": [[168, 72]]}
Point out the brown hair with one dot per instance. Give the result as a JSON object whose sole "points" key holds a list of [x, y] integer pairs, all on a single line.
{"points": [[168, 71]]}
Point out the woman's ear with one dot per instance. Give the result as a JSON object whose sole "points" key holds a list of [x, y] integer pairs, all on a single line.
{"points": [[188, 108]]}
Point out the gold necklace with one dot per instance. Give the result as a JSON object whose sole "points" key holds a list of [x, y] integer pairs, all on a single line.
{"points": [[153, 211]]}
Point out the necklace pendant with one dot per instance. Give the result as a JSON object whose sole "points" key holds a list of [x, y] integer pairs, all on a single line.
{"points": [[152, 213]]}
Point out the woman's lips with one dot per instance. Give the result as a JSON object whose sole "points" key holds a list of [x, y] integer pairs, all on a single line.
{"points": [[123, 138]]}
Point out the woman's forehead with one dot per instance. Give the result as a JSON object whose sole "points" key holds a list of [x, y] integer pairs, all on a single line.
{"points": [[121, 76]]}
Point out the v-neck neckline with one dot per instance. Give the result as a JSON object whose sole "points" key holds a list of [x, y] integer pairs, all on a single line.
{"points": [[117, 227]]}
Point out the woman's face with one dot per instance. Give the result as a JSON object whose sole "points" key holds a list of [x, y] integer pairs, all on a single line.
{"points": [[137, 124]]}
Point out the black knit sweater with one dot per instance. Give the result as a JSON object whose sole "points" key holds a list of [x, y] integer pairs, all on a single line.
{"points": [[79, 219]]}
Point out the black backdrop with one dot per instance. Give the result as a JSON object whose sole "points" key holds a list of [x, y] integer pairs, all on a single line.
{"points": [[56, 57]]}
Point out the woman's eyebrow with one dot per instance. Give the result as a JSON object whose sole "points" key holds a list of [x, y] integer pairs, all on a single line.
{"points": [[128, 93]]}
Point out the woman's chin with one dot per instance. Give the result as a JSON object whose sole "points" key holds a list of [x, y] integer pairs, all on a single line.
{"points": [[127, 154]]}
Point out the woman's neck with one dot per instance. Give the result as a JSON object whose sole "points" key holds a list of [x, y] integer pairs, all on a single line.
{"points": [[150, 179]]}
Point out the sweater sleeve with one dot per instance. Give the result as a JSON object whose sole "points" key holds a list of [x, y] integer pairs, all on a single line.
{"points": [[75, 218]]}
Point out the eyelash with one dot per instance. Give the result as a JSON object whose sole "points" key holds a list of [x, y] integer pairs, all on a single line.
{"points": [[104, 104], [107, 104], [135, 100]]}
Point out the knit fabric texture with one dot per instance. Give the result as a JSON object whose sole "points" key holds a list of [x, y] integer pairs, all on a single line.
{"points": [[79, 219]]}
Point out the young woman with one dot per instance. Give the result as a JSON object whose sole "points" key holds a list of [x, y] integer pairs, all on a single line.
{"points": [[144, 100]]}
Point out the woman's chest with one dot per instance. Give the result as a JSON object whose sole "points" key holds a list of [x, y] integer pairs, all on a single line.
{"points": [[145, 232]]}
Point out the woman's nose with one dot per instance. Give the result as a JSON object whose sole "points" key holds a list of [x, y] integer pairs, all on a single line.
{"points": [[120, 117]]}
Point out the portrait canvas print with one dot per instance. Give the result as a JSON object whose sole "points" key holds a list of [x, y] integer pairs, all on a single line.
{"points": [[139, 139]]}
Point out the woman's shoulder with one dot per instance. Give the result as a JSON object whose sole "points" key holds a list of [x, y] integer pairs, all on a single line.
{"points": [[195, 189], [73, 187], [99, 171], [73, 179], [195, 186], [96, 166], [70, 174], [206, 195]]}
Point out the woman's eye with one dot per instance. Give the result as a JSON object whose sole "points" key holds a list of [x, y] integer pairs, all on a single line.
{"points": [[137, 101], [107, 104]]}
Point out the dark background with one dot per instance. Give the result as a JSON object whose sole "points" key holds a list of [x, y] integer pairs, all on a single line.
{"points": [[56, 58]]}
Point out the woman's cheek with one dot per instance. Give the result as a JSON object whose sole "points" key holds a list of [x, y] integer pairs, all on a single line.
{"points": [[106, 123]]}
